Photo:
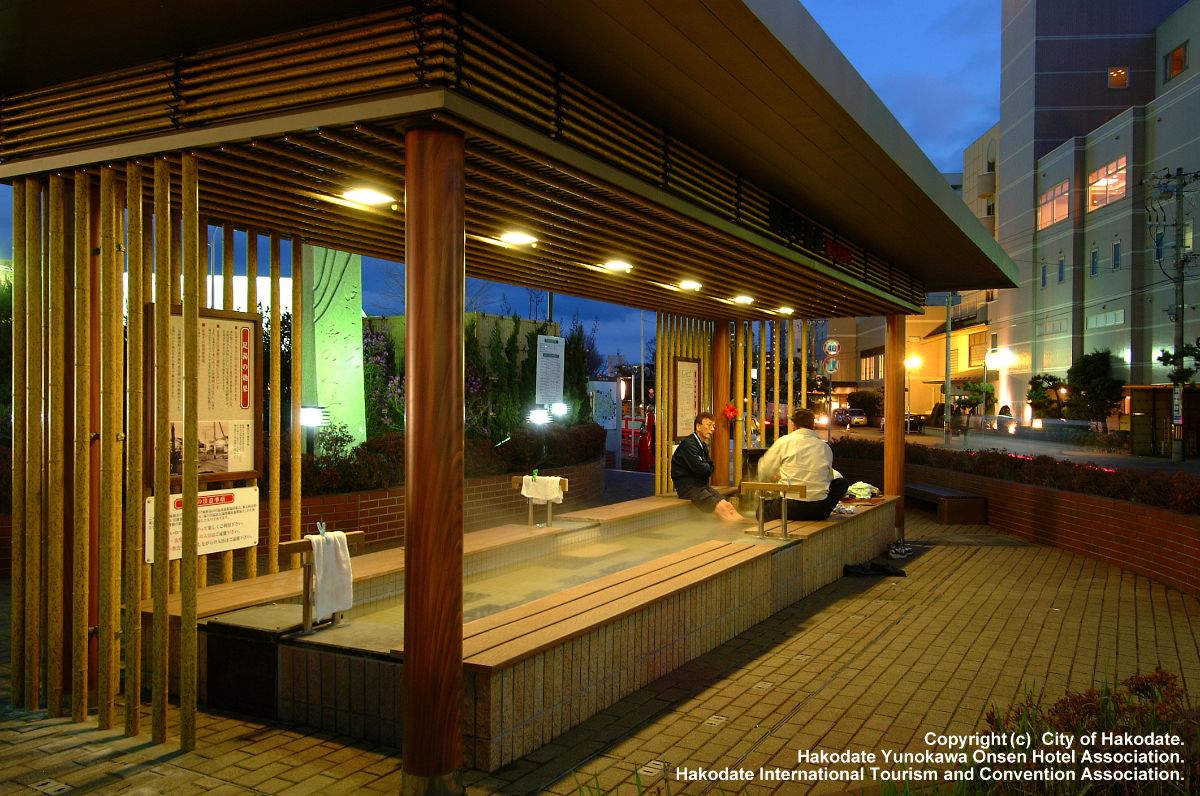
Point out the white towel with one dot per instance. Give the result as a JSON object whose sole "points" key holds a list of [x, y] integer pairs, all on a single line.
{"points": [[333, 581], [543, 489]]}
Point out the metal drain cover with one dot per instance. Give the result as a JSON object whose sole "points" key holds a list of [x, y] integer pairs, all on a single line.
{"points": [[653, 769], [715, 721], [51, 786]]}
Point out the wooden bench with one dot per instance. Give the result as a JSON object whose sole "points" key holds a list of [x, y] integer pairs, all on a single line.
{"points": [[763, 488], [518, 481], [953, 507]]}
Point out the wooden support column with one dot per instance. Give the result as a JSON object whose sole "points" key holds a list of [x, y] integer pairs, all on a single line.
{"points": [[737, 428], [720, 379], [131, 629], [433, 485], [81, 512], [162, 444], [192, 277], [893, 415], [57, 420], [20, 427], [34, 444]]}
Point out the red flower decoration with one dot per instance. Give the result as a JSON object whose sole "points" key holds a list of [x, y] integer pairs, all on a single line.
{"points": [[730, 412]]}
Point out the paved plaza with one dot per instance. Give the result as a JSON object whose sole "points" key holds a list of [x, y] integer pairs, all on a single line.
{"points": [[865, 663]]}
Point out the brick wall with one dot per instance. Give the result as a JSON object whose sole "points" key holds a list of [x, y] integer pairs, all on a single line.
{"points": [[380, 513], [1160, 544]]}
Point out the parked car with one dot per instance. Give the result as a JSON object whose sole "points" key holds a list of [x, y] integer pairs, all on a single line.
{"points": [[849, 417], [913, 424]]}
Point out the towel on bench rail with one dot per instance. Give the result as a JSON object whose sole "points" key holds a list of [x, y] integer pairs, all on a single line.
{"points": [[543, 489], [333, 581]]}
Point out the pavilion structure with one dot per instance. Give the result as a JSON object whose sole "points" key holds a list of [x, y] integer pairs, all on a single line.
{"points": [[725, 152]]}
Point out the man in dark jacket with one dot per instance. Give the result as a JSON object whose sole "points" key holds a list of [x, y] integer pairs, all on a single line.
{"points": [[692, 466]]}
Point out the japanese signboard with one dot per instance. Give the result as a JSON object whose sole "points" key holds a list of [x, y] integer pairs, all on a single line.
{"points": [[227, 519], [687, 395], [551, 357]]}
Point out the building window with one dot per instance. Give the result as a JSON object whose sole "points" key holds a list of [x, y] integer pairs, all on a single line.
{"points": [[1118, 77], [1094, 265], [1044, 274], [1052, 205], [1175, 62], [1116, 255], [977, 348], [1062, 268], [1107, 184], [1159, 242]]}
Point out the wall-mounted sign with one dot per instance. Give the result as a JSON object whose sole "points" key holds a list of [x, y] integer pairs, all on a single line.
{"points": [[687, 395], [227, 519]]}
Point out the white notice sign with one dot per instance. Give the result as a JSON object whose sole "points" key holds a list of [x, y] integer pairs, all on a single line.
{"points": [[228, 519], [551, 354]]}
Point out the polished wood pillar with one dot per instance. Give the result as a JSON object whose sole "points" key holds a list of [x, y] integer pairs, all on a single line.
{"points": [[433, 485], [720, 380], [893, 415]]}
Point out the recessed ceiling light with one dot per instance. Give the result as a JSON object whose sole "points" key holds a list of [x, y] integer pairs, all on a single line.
{"points": [[690, 284], [518, 238], [368, 196], [785, 310], [618, 265], [742, 300]]}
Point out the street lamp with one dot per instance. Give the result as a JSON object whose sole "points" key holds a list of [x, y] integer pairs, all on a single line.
{"points": [[910, 364], [997, 359]]}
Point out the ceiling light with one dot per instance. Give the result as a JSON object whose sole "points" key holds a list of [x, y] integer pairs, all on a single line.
{"points": [[690, 284], [785, 310], [368, 196], [742, 300], [515, 238], [618, 265]]}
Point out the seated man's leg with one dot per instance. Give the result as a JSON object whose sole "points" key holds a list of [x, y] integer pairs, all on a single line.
{"points": [[818, 509], [772, 510], [704, 498]]}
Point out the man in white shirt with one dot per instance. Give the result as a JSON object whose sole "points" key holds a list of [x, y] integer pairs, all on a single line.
{"points": [[802, 457]]}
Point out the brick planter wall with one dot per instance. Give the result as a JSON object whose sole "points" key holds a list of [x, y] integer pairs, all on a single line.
{"points": [[380, 513], [1160, 544], [487, 502]]}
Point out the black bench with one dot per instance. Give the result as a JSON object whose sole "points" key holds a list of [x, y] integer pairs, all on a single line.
{"points": [[953, 507]]}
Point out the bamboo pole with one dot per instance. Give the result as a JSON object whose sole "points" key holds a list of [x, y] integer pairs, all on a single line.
{"points": [[804, 364], [203, 299], [147, 293], [163, 268], [663, 468], [762, 383], [134, 491], [82, 489], [739, 398], [33, 457], [111, 395], [776, 420], [20, 428], [273, 518], [791, 372], [706, 340], [719, 365], [176, 241], [252, 306], [191, 381], [294, 499], [227, 304], [57, 420]]}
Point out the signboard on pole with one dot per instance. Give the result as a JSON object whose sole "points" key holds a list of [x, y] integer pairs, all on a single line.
{"points": [[1177, 405], [829, 365], [832, 347], [551, 355], [227, 519]]}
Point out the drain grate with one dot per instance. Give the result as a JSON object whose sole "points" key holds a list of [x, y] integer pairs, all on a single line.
{"points": [[715, 720], [51, 786], [653, 769]]}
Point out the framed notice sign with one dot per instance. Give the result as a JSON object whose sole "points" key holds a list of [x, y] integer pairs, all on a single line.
{"points": [[226, 518], [687, 395], [229, 395]]}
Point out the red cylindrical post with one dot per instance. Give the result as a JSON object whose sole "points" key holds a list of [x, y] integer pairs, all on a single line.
{"points": [[893, 415], [435, 245]]}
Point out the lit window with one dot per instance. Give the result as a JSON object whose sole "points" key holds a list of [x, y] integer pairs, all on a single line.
{"points": [[1044, 274], [1118, 77], [1116, 255], [1062, 268], [1187, 235], [1052, 205], [1175, 62], [1094, 265], [1107, 184]]}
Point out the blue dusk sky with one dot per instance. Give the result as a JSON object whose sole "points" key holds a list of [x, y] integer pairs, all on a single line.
{"points": [[935, 65]]}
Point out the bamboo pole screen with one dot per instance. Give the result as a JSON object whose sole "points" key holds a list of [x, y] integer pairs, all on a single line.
{"points": [[188, 563], [131, 631], [163, 295], [677, 336], [82, 480], [20, 428], [55, 527]]}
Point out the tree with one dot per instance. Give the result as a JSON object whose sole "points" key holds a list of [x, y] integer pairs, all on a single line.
{"points": [[870, 401], [1093, 393], [575, 374], [1180, 373], [1045, 395], [977, 394]]}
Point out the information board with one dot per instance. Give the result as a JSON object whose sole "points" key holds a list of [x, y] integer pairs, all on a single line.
{"points": [[687, 395], [227, 519], [551, 355]]}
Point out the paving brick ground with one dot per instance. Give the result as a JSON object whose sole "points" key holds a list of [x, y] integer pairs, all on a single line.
{"points": [[862, 664]]}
